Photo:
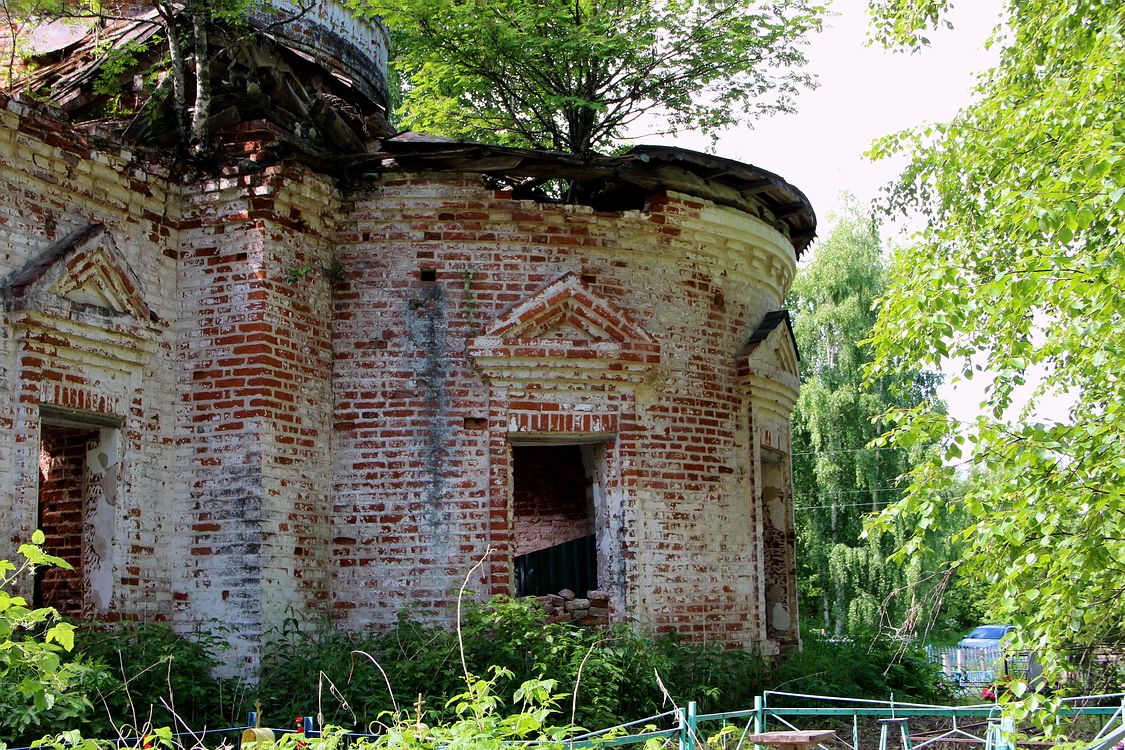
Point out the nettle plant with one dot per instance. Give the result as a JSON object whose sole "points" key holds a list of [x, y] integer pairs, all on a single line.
{"points": [[45, 685], [37, 680]]}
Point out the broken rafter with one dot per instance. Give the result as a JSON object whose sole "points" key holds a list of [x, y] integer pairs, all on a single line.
{"points": [[319, 115], [256, 75], [792, 209]]}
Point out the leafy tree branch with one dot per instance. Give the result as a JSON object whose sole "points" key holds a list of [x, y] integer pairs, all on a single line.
{"points": [[571, 74]]}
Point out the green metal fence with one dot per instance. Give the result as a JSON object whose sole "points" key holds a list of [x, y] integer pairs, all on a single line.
{"points": [[784, 711], [686, 729]]}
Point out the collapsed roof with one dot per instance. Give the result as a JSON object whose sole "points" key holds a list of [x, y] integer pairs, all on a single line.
{"points": [[116, 77], [612, 183], [332, 116]]}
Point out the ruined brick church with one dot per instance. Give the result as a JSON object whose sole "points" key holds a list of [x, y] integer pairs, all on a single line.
{"points": [[335, 367]]}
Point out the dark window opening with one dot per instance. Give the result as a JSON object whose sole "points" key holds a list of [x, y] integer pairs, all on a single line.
{"points": [[553, 516], [428, 274], [78, 480], [63, 511]]}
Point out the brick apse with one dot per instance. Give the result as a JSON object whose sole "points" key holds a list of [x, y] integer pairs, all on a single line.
{"points": [[278, 383]]}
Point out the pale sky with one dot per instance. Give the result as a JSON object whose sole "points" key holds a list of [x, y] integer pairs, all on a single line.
{"points": [[866, 92]]}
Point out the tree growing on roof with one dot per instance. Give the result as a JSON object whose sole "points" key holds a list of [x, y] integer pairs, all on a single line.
{"points": [[190, 43], [571, 75]]}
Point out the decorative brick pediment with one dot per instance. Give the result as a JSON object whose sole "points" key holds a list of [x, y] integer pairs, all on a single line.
{"points": [[772, 345], [563, 322], [81, 291], [83, 272], [566, 309], [768, 366]]}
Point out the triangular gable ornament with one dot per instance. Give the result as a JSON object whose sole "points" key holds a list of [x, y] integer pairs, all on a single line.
{"points": [[562, 322], [82, 272], [768, 367], [772, 348], [566, 304]]}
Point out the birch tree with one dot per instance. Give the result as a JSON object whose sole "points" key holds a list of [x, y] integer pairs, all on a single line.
{"points": [[1019, 274]]}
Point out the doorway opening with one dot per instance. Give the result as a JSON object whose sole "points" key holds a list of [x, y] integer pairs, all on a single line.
{"points": [[77, 492], [554, 500]]}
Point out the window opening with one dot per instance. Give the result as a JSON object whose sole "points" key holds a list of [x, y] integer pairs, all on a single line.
{"points": [[778, 542], [76, 498], [553, 518]]}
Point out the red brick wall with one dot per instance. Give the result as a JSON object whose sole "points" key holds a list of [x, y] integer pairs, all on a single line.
{"points": [[422, 456], [292, 442], [256, 343], [62, 478], [53, 181]]}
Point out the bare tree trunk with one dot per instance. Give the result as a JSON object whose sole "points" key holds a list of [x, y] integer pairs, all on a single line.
{"points": [[15, 30], [179, 77], [199, 138]]}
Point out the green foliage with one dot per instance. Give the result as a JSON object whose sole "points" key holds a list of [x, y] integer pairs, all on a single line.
{"points": [[99, 680], [478, 720], [333, 272], [233, 14], [423, 659], [39, 684], [73, 739], [149, 665], [572, 74], [121, 677], [1020, 273], [839, 477], [901, 23], [19, 18], [508, 640], [14, 11], [865, 666], [116, 64]]}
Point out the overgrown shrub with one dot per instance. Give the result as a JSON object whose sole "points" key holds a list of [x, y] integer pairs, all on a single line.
{"points": [[863, 667], [319, 670], [39, 685], [421, 659], [98, 680], [118, 680], [152, 669], [480, 719]]}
